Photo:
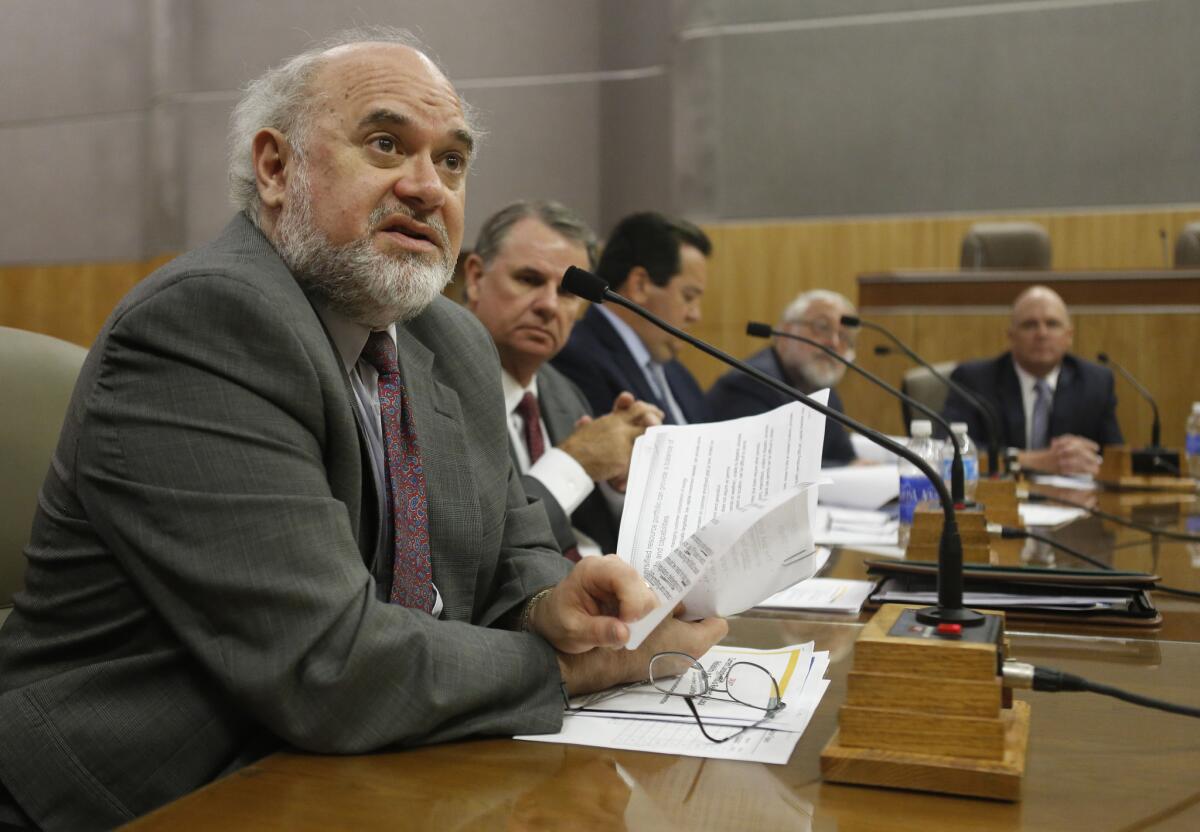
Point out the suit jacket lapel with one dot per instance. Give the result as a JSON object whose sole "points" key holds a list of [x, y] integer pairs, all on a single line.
{"points": [[438, 422], [1064, 394], [552, 400], [632, 375], [1012, 403]]}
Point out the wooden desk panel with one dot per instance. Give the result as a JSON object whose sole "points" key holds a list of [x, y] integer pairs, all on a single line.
{"points": [[1094, 763], [878, 292]]}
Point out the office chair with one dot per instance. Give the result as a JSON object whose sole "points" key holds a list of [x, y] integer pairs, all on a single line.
{"points": [[923, 386], [1187, 247], [1005, 245], [38, 374]]}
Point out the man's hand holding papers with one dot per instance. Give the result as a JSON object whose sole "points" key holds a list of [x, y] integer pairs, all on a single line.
{"points": [[718, 516]]}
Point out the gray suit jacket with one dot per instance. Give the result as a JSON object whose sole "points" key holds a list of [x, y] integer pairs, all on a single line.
{"points": [[196, 593], [562, 404]]}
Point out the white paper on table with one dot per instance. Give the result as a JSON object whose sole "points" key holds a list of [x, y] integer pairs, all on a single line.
{"points": [[1079, 483], [1040, 514], [665, 729], [793, 668], [860, 486], [695, 494], [868, 451], [823, 594], [845, 526]]}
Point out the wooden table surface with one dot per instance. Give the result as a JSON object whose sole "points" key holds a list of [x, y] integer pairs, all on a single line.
{"points": [[1094, 763]]}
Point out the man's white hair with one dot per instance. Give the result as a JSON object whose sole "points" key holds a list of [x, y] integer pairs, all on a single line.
{"points": [[280, 99], [798, 308]]}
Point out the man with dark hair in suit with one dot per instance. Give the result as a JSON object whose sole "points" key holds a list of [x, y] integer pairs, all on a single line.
{"points": [[814, 314], [513, 284], [659, 263], [1056, 408], [282, 510]]}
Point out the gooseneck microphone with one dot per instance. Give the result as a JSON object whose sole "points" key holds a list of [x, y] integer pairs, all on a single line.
{"points": [[977, 402], [1156, 429], [949, 608], [957, 489]]}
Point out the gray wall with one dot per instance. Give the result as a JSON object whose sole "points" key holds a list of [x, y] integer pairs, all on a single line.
{"points": [[833, 107], [113, 112]]}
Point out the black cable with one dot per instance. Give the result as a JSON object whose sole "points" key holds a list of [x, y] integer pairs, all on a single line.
{"points": [[1010, 532], [1054, 681], [1116, 518]]}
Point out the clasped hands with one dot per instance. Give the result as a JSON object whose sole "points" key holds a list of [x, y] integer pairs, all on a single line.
{"points": [[604, 445], [586, 616], [1066, 454]]}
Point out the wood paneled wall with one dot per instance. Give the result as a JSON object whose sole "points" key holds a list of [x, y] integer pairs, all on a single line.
{"points": [[757, 268], [70, 302]]}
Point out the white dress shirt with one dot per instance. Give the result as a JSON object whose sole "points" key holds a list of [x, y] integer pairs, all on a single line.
{"points": [[557, 470]]}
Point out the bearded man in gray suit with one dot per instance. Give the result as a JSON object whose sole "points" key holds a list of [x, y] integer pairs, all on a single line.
{"points": [[221, 562], [574, 464]]}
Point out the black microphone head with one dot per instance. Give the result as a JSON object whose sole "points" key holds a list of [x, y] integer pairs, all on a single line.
{"points": [[883, 349], [1102, 357], [850, 320], [584, 284], [758, 329]]}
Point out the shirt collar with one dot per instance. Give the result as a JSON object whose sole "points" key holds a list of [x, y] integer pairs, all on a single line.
{"points": [[514, 392], [632, 341], [349, 337], [1029, 380]]}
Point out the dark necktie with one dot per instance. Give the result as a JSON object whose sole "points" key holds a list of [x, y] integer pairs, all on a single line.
{"points": [[531, 416], [412, 575], [1039, 428], [535, 443]]}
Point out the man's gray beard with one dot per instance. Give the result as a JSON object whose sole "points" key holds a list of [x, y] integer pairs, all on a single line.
{"points": [[818, 375], [356, 279]]}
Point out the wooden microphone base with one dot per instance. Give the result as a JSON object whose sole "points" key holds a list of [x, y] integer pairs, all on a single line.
{"points": [[927, 711]]}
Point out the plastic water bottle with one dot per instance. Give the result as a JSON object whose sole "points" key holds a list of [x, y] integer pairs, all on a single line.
{"points": [[970, 458], [914, 485], [1193, 441]]}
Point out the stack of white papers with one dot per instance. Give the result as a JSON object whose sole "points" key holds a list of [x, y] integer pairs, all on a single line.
{"points": [[860, 486], [640, 718], [718, 515], [845, 526], [1040, 514], [822, 595]]}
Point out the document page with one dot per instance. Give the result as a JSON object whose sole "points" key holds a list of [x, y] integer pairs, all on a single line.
{"points": [[719, 515], [638, 717]]}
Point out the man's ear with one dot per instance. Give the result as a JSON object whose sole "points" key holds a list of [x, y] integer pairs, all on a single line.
{"points": [[636, 285], [272, 159], [472, 273]]}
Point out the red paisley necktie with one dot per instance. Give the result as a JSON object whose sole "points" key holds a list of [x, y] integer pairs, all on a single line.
{"points": [[412, 575]]}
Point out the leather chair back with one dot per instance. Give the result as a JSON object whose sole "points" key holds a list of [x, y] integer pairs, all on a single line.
{"points": [[1006, 245], [37, 376], [1187, 247], [925, 387]]}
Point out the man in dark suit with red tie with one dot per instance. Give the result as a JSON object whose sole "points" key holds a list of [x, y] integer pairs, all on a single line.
{"points": [[660, 263], [513, 284]]}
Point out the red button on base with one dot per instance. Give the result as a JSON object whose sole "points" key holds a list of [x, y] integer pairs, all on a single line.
{"points": [[949, 628]]}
